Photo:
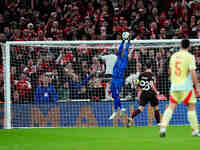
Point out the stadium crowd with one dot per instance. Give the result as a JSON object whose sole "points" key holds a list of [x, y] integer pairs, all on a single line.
{"points": [[70, 72]]}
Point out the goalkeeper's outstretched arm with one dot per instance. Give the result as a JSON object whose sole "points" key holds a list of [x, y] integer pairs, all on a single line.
{"points": [[119, 52], [127, 49]]}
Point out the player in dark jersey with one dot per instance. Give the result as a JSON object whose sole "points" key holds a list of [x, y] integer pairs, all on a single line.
{"points": [[149, 93]]}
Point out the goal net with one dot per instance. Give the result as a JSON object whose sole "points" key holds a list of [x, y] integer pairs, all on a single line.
{"points": [[66, 83]]}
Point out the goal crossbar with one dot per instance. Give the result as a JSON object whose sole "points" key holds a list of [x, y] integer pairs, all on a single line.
{"points": [[95, 44]]}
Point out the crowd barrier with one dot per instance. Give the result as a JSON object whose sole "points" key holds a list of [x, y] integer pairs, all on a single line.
{"points": [[86, 114]]}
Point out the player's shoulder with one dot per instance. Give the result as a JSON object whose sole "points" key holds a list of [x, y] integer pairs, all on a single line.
{"points": [[190, 55], [173, 56], [181, 54], [176, 54], [187, 53]]}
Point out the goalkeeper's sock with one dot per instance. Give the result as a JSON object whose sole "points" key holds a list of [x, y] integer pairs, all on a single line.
{"points": [[135, 113], [157, 116], [166, 117], [192, 117], [162, 130], [116, 104]]}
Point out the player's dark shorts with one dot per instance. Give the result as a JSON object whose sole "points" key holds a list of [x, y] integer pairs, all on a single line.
{"points": [[146, 97]]}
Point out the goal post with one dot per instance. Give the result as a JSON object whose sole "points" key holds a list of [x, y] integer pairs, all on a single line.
{"points": [[94, 115], [7, 92]]}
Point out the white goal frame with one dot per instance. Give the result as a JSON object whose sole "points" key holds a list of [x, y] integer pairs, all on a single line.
{"points": [[6, 58]]}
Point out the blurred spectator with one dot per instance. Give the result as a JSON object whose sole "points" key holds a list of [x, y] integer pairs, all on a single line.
{"points": [[69, 20], [198, 64], [109, 61], [24, 88], [96, 89], [131, 82], [16, 98], [76, 86], [1, 85], [30, 68], [2, 37], [151, 57], [65, 56], [63, 92], [144, 56], [97, 66], [45, 93]]}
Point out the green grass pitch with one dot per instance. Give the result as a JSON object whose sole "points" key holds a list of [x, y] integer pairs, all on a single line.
{"points": [[119, 138]]}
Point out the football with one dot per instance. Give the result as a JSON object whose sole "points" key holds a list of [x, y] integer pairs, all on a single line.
{"points": [[125, 35]]}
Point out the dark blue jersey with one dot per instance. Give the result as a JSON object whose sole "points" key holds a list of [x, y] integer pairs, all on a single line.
{"points": [[122, 61], [75, 87], [45, 94]]}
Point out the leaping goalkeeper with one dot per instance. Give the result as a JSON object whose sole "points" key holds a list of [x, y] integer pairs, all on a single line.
{"points": [[118, 74]]}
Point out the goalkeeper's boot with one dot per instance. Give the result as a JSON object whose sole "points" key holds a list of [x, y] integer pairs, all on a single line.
{"points": [[129, 122], [114, 114], [122, 112], [195, 133]]}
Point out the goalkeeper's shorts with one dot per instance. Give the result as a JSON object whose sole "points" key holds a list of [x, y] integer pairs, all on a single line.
{"points": [[115, 87]]}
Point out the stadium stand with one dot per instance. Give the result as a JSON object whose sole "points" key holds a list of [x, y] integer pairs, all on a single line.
{"points": [[23, 20]]}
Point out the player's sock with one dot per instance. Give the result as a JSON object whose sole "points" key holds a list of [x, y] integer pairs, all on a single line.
{"points": [[192, 117], [135, 113], [196, 133], [116, 105], [166, 117], [157, 116], [129, 122], [162, 132], [122, 112]]}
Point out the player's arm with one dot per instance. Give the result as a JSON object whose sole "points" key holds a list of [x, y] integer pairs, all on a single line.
{"points": [[138, 83], [169, 70], [194, 78], [137, 86], [154, 87], [193, 73]]}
